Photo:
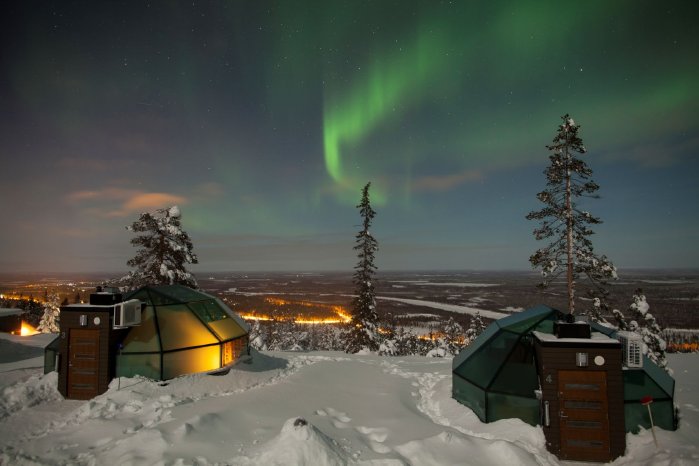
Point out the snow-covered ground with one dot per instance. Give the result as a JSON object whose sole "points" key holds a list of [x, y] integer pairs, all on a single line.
{"points": [[449, 284], [289, 409], [447, 307]]}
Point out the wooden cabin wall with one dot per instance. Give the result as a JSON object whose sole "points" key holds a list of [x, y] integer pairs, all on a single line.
{"points": [[551, 359], [70, 320]]}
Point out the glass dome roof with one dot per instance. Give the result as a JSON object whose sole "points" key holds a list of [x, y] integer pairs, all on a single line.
{"points": [[182, 331]]}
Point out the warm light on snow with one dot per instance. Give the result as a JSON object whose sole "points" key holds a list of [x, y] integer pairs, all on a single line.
{"points": [[20, 297], [27, 330], [341, 316], [253, 316]]}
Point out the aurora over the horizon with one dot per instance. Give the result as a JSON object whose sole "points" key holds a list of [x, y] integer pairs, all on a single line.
{"points": [[263, 120], [373, 101]]}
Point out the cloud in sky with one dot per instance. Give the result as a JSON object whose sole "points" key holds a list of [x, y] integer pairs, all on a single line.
{"points": [[445, 182], [127, 201]]}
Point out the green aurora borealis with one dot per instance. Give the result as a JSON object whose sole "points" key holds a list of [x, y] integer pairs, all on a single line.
{"points": [[528, 59], [265, 119]]}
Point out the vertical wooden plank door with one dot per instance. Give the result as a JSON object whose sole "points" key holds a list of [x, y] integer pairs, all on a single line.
{"points": [[584, 415], [83, 363]]}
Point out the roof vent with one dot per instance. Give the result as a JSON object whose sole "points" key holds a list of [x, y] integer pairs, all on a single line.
{"points": [[571, 330], [105, 298]]}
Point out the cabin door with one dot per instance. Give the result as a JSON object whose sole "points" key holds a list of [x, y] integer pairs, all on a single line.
{"points": [[584, 420], [83, 363]]}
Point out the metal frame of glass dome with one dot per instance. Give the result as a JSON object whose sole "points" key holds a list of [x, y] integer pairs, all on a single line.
{"points": [[182, 331], [496, 375]]}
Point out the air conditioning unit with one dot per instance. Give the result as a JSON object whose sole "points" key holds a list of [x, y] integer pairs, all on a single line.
{"points": [[631, 349], [127, 314]]}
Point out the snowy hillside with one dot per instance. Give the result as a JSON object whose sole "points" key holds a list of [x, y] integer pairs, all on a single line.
{"points": [[288, 409]]}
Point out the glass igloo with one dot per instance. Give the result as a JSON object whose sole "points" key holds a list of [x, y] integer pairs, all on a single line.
{"points": [[182, 331], [496, 375]]}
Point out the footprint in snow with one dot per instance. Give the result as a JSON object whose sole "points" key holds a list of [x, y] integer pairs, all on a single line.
{"points": [[339, 415], [691, 407], [339, 419], [377, 434], [379, 447], [340, 424]]}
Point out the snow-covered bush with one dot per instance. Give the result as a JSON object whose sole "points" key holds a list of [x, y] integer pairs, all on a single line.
{"points": [[598, 310], [475, 328], [645, 324], [407, 343], [453, 336], [388, 348], [439, 351], [51, 316]]}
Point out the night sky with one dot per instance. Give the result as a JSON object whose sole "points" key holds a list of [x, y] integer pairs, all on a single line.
{"points": [[263, 120]]}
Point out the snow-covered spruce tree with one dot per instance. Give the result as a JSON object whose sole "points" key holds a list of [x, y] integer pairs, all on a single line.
{"points": [[388, 346], [619, 320], [362, 334], [454, 337], [50, 318], [286, 336], [644, 323], [475, 328], [257, 340], [407, 343], [439, 349], [563, 223], [330, 338], [164, 250], [598, 310]]}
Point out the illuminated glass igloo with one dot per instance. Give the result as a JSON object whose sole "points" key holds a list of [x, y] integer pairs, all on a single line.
{"points": [[182, 331]]}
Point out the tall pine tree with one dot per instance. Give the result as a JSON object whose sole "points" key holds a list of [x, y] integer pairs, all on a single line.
{"points": [[564, 224], [164, 250], [362, 334], [475, 328]]}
